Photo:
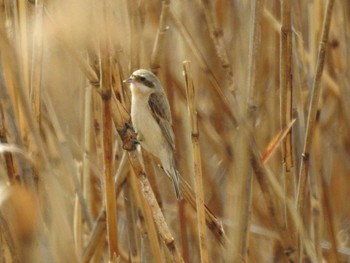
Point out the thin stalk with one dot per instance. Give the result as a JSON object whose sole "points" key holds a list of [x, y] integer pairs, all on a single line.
{"points": [[67, 156], [313, 106], [131, 222], [217, 36], [135, 33], [160, 37], [37, 58], [11, 171], [286, 107], [202, 63], [191, 100]]}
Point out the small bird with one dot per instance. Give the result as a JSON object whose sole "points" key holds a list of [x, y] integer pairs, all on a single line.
{"points": [[151, 117]]}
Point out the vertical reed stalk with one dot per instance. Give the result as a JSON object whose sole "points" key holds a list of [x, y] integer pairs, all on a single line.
{"points": [[160, 37], [286, 107], [191, 100], [37, 59], [107, 129], [313, 106]]}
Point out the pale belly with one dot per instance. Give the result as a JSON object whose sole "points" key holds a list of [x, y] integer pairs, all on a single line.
{"points": [[149, 132]]}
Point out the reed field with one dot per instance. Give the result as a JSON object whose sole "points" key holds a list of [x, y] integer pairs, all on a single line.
{"points": [[260, 101]]}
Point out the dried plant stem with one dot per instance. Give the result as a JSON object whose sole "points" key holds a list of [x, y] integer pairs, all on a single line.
{"points": [[191, 100], [95, 236], [67, 156], [109, 190], [212, 222], [37, 56], [332, 85], [11, 171], [86, 68], [131, 222], [147, 214], [217, 35], [313, 106], [135, 33], [160, 38], [87, 142], [286, 107], [202, 62], [10, 242], [183, 231]]}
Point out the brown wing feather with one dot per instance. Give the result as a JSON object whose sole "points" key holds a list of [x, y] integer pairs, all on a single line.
{"points": [[161, 112]]}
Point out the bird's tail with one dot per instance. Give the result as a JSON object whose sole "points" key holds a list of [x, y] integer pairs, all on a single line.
{"points": [[175, 177]]}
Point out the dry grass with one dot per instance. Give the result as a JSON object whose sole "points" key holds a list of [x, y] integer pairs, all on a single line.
{"points": [[260, 118]]}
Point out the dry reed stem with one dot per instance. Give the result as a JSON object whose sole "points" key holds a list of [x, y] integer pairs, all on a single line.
{"points": [[329, 80], [135, 33], [10, 242], [191, 101], [11, 126], [286, 107], [275, 142], [109, 190], [211, 220], [306, 242], [87, 142], [131, 222], [96, 235], [88, 71], [202, 62], [160, 37], [217, 36], [183, 223], [134, 178], [243, 167], [315, 201], [313, 107], [329, 219], [37, 59], [67, 156], [11, 171]]}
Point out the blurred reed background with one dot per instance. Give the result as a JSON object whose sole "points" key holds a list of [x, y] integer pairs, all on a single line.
{"points": [[266, 177]]}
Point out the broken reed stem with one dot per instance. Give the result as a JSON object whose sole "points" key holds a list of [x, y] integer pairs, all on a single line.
{"points": [[191, 100], [286, 108], [313, 107], [160, 38]]}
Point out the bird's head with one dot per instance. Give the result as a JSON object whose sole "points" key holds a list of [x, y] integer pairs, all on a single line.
{"points": [[144, 81]]}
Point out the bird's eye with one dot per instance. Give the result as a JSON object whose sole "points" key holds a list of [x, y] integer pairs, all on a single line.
{"points": [[142, 78]]}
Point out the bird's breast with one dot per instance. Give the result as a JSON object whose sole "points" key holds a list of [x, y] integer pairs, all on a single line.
{"points": [[149, 132]]}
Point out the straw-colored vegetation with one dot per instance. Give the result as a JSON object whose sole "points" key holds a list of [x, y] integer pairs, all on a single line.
{"points": [[259, 92]]}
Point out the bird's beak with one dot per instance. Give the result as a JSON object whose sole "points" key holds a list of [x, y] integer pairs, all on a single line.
{"points": [[129, 80]]}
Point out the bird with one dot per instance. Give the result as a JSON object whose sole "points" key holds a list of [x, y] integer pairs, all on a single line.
{"points": [[151, 119]]}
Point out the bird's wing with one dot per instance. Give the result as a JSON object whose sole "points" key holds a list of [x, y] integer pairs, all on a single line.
{"points": [[160, 109]]}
